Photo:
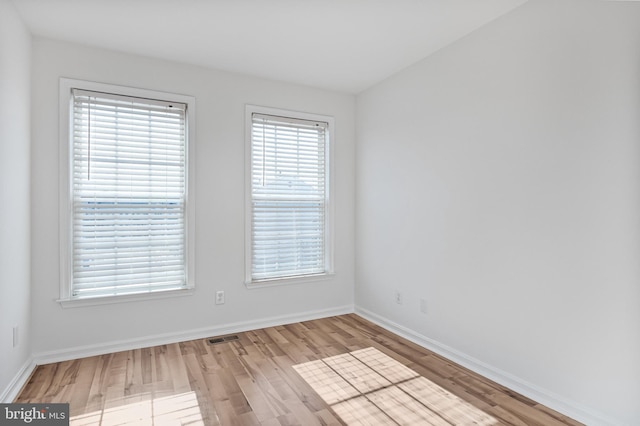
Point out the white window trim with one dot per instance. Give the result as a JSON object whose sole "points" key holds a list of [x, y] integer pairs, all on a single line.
{"points": [[330, 212], [65, 196]]}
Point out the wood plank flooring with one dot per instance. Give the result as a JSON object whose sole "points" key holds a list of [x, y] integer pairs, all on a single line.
{"points": [[334, 371]]}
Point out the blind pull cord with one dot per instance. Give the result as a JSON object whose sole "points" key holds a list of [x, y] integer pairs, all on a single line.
{"points": [[264, 158], [89, 144]]}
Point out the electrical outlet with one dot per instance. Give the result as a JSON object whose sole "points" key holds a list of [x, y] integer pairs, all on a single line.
{"points": [[398, 298], [219, 297], [423, 306], [15, 336]]}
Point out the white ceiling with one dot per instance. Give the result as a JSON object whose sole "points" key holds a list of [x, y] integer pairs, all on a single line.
{"points": [[341, 45]]}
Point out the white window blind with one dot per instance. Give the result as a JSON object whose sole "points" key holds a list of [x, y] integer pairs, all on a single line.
{"points": [[288, 197], [128, 194]]}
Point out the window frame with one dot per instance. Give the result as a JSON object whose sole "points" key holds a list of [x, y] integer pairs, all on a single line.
{"points": [[66, 87], [329, 203]]}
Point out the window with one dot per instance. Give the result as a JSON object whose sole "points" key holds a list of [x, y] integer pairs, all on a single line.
{"points": [[288, 201], [126, 214]]}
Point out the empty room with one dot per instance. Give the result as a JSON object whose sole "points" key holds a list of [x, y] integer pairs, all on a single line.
{"points": [[338, 212]]}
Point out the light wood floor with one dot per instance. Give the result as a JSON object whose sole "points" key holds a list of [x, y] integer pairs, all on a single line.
{"points": [[333, 371]]}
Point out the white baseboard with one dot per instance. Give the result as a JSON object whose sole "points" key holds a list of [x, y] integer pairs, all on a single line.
{"points": [[556, 402], [167, 338], [20, 379]]}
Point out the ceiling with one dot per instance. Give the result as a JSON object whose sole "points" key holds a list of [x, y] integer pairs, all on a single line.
{"points": [[340, 45]]}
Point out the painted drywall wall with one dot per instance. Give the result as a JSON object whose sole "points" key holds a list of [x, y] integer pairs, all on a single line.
{"points": [[219, 192], [15, 57], [499, 180]]}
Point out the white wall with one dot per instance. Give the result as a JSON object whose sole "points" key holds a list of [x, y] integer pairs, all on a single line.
{"points": [[15, 56], [499, 179], [220, 99]]}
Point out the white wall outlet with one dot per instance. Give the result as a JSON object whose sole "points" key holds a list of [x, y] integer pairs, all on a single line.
{"points": [[398, 298], [16, 336], [219, 297], [423, 306]]}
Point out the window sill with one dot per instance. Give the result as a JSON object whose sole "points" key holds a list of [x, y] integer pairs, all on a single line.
{"points": [[276, 282], [109, 300]]}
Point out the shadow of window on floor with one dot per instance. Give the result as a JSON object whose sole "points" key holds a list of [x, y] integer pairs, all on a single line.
{"points": [[367, 387], [179, 409]]}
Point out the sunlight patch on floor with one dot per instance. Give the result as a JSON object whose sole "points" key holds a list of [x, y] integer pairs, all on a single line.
{"points": [[172, 410], [367, 387]]}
